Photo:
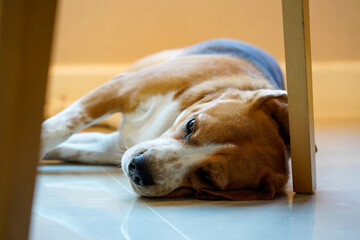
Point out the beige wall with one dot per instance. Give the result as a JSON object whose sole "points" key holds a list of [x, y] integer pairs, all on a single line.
{"points": [[96, 39], [120, 31]]}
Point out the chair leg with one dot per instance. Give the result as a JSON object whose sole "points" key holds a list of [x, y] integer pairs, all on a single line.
{"points": [[299, 84], [25, 42]]}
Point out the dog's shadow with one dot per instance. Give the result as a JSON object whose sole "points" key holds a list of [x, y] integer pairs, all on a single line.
{"points": [[282, 197]]}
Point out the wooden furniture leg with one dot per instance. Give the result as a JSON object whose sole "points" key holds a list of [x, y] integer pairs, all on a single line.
{"points": [[25, 43], [299, 85]]}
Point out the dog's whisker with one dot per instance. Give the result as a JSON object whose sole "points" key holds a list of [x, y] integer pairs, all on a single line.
{"points": [[121, 149], [132, 139]]}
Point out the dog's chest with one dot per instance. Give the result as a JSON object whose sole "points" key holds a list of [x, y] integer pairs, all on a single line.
{"points": [[150, 119]]}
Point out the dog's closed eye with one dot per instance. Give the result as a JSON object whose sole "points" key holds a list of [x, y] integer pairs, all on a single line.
{"points": [[205, 177]]}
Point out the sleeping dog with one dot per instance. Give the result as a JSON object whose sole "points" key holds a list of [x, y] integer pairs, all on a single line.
{"points": [[209, 120]]}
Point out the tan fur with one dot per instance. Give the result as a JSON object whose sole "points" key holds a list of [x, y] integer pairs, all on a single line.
{"points": [[240, 81], [124, 92], [153, 59]]}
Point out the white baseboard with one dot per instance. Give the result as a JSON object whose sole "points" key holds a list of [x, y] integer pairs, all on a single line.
{"points": [[336, 87]]}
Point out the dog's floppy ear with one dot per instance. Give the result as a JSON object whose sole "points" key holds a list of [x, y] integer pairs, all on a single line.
{"points": [[275, 104], [270, 184]]}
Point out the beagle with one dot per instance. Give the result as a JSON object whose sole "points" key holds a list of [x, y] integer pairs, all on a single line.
{"points": [[210, 121]]}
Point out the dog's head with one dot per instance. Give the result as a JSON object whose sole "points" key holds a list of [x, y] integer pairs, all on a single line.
{"points": [[230, 145]]}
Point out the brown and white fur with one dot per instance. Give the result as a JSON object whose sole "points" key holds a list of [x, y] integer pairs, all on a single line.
{"points": [[208, 125]]}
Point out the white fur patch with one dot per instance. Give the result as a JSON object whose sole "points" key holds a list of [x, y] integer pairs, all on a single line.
{"points": [[58, 128], [150, 119], [89, 147]]}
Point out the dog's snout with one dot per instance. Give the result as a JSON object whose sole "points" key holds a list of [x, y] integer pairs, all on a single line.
{"points": [[138, 171]]}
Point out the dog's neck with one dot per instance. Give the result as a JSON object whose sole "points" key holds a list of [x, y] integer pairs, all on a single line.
{"points": [[189, 96]]}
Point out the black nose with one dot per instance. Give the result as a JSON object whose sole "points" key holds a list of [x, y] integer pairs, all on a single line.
{"points": [[138, 171]]}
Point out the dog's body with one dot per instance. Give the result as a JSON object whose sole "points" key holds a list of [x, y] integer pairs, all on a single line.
{"points": [[209, 120]]}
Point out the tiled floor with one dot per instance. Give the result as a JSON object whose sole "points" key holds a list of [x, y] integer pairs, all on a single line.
{"points": [[96, 202]]}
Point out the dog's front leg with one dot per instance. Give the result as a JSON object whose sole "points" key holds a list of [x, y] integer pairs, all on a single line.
{"points": [[91, 148], [88, 110]]}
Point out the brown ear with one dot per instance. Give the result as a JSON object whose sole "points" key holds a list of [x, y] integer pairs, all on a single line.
{"points": [[277, 108], [270, 184]]}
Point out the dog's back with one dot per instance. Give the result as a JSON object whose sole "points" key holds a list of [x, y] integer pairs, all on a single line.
{"points": [[263, 61]]}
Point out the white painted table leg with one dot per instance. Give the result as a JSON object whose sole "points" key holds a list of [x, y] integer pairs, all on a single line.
{"points": [[299, 84]]}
